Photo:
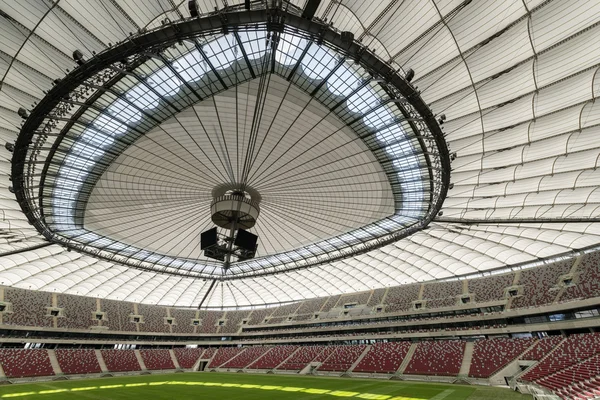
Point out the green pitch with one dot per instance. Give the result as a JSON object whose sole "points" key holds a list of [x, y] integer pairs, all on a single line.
{"points": [[248, 387]]}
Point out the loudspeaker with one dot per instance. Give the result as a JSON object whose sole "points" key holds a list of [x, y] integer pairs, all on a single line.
{"points": [[245, 240], [208, 238]]}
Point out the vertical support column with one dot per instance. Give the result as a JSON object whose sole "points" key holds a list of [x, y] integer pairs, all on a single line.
{"points": [[55, 304], [99, 322], [197, 317], [1, 322], [421, 291], [169, 316], [370, 296], [516, 278], [136, 312], [385, 295]]}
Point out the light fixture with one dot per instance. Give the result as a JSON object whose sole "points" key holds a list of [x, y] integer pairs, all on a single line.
{"points": [[23, 113], [78, 57]]}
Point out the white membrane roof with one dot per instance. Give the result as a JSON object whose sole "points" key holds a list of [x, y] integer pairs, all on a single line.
{"points": [[516, 79]]}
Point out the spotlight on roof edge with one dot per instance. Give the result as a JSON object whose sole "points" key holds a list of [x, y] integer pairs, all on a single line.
{"points": [[387, 114]]}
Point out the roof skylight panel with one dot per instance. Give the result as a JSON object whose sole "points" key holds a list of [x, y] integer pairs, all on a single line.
{"points": [[318, 62], [109, 125], [254, 42], [222, 52], [126, 111], [164, 82], [343, 81], [289, 49], [191, 67], [142, 96]]}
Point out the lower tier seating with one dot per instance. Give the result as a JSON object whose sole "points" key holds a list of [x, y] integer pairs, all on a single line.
{"points": [[572, 369], [21, 363], [187, 357], [541, 348], [489, 356], [302, 357], [225, 354], [342, 358], [78, 361], [157, 359], [442, 358], [247, 357], [274, 357], [120, 360], [383, 358]]}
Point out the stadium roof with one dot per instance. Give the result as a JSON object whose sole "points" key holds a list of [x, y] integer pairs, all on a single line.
{"points": [[515, 79]]}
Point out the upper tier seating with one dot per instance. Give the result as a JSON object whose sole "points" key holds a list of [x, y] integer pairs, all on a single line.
{"points": [[276, 320], [154, 318], [155, 359], [342, 357], [490, 288], [383, 357], [117, 315], [310, 307], [542, 348], [78, 311], [574, 349], [442, 294], [330, 303], [21, 363], [302, 357], [284, 311], [233, 321], [538, 282], [273, 358], [377, 297], [588, 282], [209, 321], [490, 355], [358, 298], [224, 354], [183, 320], [120, 360], [187, 357], [258, 315], [400, 298], [29, 307], [437, 358], [82, 361], [247, 357]]}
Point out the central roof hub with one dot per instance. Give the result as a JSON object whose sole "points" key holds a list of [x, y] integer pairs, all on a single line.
{"points": [[233, 211]]}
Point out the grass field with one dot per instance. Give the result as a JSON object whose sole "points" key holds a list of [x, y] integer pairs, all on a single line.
{"points": [[248, 387]]}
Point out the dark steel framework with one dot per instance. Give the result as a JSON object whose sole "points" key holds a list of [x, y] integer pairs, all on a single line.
{"points": [[101, 72]]}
